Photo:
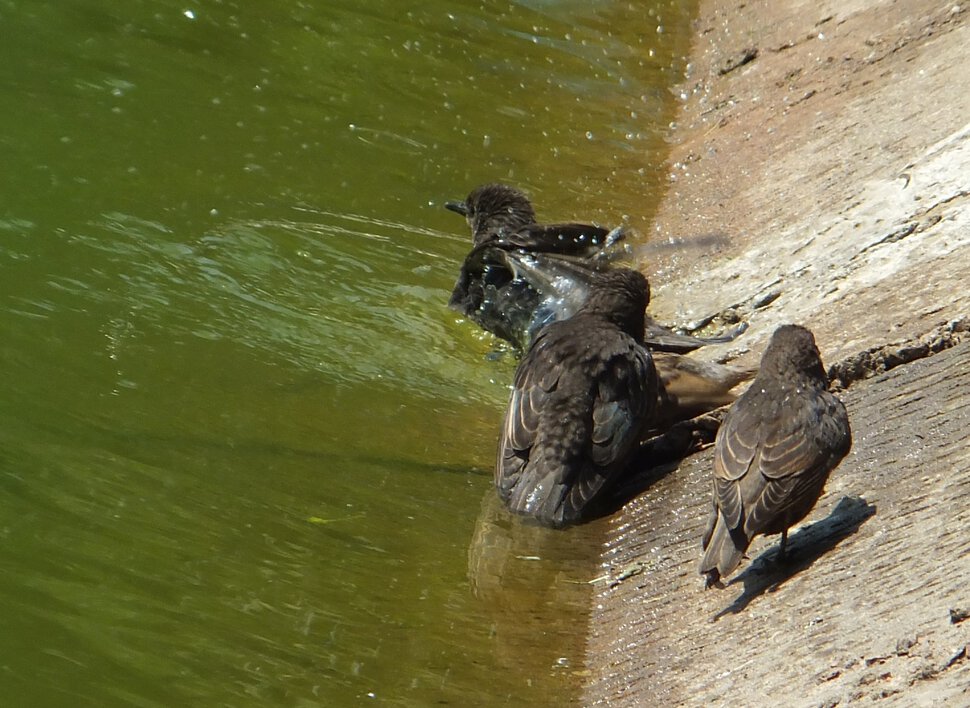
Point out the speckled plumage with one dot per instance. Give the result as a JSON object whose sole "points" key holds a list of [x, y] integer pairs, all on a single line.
{"points": [[521, 275], [581, 398], [774, 451]]}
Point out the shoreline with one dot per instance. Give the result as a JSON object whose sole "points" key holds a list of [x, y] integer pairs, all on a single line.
{"points": [[827, 146]]}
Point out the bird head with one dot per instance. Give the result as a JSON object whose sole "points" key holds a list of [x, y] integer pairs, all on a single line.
{"points": [[493, 210], [791, 353], [620, 295]]}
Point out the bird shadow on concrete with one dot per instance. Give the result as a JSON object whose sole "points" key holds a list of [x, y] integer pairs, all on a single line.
{"points": [[767, 573]]}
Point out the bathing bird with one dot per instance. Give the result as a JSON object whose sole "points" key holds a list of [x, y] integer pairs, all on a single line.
{"points": [[582, 396], [521, 275]]}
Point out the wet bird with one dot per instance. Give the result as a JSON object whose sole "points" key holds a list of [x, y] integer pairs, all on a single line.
{"points": [[521, 275], [499, 213], [689, 387], [493, 211], [514, 293], [774, 451], [581, 397], [504, 283]]}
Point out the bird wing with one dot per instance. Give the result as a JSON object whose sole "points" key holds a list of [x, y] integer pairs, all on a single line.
{"points": [[490, 292], [547, 427], [624, 397], [468, 293], [573, 239], [736, 448], [692, 387], [574, 416], [536, 377], [663, 338], [786, 461], [625, 400], [805, 438]]}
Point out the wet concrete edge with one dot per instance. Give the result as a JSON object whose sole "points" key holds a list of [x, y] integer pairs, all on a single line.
{"points": [[828, 144]]}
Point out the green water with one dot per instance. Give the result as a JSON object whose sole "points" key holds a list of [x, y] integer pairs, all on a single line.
{"points": [[245, 449]]}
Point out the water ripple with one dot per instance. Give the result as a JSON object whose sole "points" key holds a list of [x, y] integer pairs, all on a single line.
{"points": [[350, 297]]}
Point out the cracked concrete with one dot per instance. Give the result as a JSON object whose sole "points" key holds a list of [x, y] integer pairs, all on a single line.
{"points": [[827, 146], [809, 196], [862, 611]]}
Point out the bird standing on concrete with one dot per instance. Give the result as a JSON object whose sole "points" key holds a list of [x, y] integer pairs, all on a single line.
{"points": [[774, 451], [581, 397]]}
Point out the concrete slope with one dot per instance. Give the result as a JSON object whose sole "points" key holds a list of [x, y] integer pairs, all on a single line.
{"points": [[827, 145]]}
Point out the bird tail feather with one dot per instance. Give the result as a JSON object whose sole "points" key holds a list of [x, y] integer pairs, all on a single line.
{"points": [[721, 554]]}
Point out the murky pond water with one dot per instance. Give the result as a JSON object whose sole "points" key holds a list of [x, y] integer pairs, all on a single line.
{"points": [[245, 449]]}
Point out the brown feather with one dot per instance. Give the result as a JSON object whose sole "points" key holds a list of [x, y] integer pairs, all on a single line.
{"points": [[774, 450]]}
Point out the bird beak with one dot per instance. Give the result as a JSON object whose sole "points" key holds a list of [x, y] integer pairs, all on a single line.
{"points": [[457, 207]]}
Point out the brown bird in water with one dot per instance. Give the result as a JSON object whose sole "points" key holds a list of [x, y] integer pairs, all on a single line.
{"points": [[521, 275], [501, 213], [773, 452], [512, 282], [581, 398]]}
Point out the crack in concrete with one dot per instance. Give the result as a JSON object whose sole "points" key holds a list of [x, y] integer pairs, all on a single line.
{"points": [[880, 359]]}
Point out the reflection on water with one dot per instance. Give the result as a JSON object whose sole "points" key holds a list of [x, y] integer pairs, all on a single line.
{"points": [[533, 582], [243, 442]]}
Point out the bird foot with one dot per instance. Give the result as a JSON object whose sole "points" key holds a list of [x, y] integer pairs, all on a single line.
{"points": [[712, 579]]}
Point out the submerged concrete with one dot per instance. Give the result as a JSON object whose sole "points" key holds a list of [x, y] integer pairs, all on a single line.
{"points": [[828, 147]]}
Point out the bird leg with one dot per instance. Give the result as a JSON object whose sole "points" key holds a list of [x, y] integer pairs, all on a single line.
{"points": [[783, 550]]}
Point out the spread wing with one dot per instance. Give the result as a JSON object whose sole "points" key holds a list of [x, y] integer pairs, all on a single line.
{"points": [[483, 266], [490, 292], [663, 338], [692, 387], [560, 238]]}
